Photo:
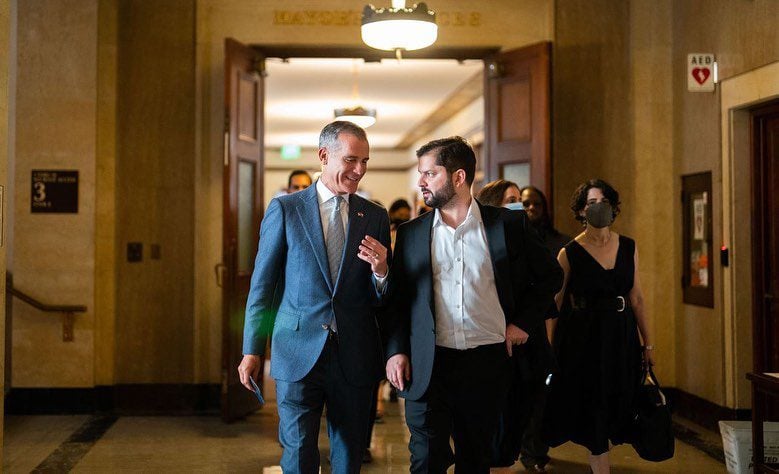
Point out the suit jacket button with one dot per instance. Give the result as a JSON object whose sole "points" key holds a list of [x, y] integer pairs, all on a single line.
{"points": [[325, 327]]}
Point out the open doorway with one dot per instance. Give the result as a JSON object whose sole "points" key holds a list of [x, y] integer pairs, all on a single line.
{"points": [[413, 99], [282, 96]]}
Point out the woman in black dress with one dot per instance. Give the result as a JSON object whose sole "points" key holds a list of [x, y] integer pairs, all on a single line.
{"points": [[597, 341]]}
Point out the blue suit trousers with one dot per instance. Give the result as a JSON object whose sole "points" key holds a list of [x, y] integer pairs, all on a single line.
{"points": [[300, 407]]}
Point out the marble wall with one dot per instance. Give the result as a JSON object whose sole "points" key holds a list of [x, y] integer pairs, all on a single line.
{"points": [[130, 93], [622, 111], [6, 52], [155, 167], [743, 36], [53, 254]]}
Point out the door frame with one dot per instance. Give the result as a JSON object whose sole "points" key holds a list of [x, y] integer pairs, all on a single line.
{"points": [[737, 96], [485, 54], [760, 313], [239, 148]]}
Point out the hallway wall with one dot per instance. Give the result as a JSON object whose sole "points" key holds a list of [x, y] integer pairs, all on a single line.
{"points": [[622, 112], [743, 35], [155, 189], [53, 258], [6, 52], [130, 93]]}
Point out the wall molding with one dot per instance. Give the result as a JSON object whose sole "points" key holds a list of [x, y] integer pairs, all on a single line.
{"points": [[701, 411]]}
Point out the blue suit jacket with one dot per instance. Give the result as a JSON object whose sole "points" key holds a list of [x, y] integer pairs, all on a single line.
{"points": [[527, 277], [292, 264]]}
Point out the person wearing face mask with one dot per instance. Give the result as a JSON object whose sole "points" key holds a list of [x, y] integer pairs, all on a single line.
{"points": [[599, 341]]}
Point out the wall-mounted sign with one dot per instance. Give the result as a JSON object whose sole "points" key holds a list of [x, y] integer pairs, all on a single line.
{"points": [[701, 72], [354, 18], [54, 191]]}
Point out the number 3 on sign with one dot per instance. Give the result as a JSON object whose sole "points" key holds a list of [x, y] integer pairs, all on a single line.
{"points": [[40, 192]]}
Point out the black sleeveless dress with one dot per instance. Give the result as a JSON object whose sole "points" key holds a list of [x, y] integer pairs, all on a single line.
{"points": [[598, 352]]}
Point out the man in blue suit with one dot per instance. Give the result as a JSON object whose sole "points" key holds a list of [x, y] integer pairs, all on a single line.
{"points": [[469, 283], [323, 253]]}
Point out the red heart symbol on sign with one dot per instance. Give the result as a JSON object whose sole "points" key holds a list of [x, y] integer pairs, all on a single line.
{"points": [[701, 74]]}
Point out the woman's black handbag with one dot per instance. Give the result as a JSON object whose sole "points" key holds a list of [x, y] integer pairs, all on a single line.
{"points": [[653, 437]]}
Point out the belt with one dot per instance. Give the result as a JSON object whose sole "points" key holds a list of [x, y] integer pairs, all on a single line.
{"points": [[616, 303]]}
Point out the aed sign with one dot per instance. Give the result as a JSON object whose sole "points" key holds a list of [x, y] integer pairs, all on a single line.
{"points": [[701, 72], [54, 191]]}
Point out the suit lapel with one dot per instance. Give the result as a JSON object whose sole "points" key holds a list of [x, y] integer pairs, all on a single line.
{"points": [[355, 232], [424, 242], [496, 240], [311, 222]]}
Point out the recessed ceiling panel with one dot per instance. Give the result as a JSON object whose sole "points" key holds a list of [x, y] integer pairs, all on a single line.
{"points": [[302, 93]]}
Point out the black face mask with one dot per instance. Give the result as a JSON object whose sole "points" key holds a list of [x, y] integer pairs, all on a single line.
{"points": [[397, 221], [599, 215]]}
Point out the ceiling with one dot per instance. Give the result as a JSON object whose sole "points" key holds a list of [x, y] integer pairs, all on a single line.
{"points": [[301, 94]]}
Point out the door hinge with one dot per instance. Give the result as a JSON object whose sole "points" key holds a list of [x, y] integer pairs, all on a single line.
{"points": [[258, 66]]}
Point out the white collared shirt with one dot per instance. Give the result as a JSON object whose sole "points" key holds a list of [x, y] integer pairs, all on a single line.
{"points": [[326, 204], [467, 309]]}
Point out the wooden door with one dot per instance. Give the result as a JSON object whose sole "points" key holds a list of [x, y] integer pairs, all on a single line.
{"points": [[517, 111], [765, 240], [242, 212]]}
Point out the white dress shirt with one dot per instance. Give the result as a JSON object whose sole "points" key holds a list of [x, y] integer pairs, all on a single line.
{"points": [[467, 309]]}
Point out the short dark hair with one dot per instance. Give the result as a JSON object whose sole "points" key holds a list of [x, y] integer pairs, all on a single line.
{"points": [[579, 198], [452, 153], [492, 193], [298, 173], [399, 204], [328, 137]]}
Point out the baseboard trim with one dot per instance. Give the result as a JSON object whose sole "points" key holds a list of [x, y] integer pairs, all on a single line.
{"points": [[125, 399], [701, 411]]}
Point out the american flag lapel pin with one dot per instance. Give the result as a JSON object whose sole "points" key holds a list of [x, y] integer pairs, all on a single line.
{"points": [[360, 214]]}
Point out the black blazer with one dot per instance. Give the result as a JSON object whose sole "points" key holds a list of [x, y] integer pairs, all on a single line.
{"points": [[527, 277]]}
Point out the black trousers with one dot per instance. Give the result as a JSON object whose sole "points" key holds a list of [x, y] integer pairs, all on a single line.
{"points": [[466, 393]]}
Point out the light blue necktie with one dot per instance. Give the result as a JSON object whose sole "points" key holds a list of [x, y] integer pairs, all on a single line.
{"points": [[335, 238]]}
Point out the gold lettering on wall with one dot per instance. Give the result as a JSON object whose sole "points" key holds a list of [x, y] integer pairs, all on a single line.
{"points": [[354, 18]]}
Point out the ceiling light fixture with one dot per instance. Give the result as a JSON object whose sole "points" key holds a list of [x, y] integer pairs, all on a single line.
{"points": [[399, 28], [357, 114]]}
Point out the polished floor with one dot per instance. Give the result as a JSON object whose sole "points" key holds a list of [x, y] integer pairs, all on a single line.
{"points": [[204, 444]]}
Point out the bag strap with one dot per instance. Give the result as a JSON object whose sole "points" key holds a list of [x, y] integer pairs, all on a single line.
{"points": [[648, 371]]}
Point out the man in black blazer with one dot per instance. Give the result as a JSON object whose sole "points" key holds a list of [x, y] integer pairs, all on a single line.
{"points": [[469, 282]]}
